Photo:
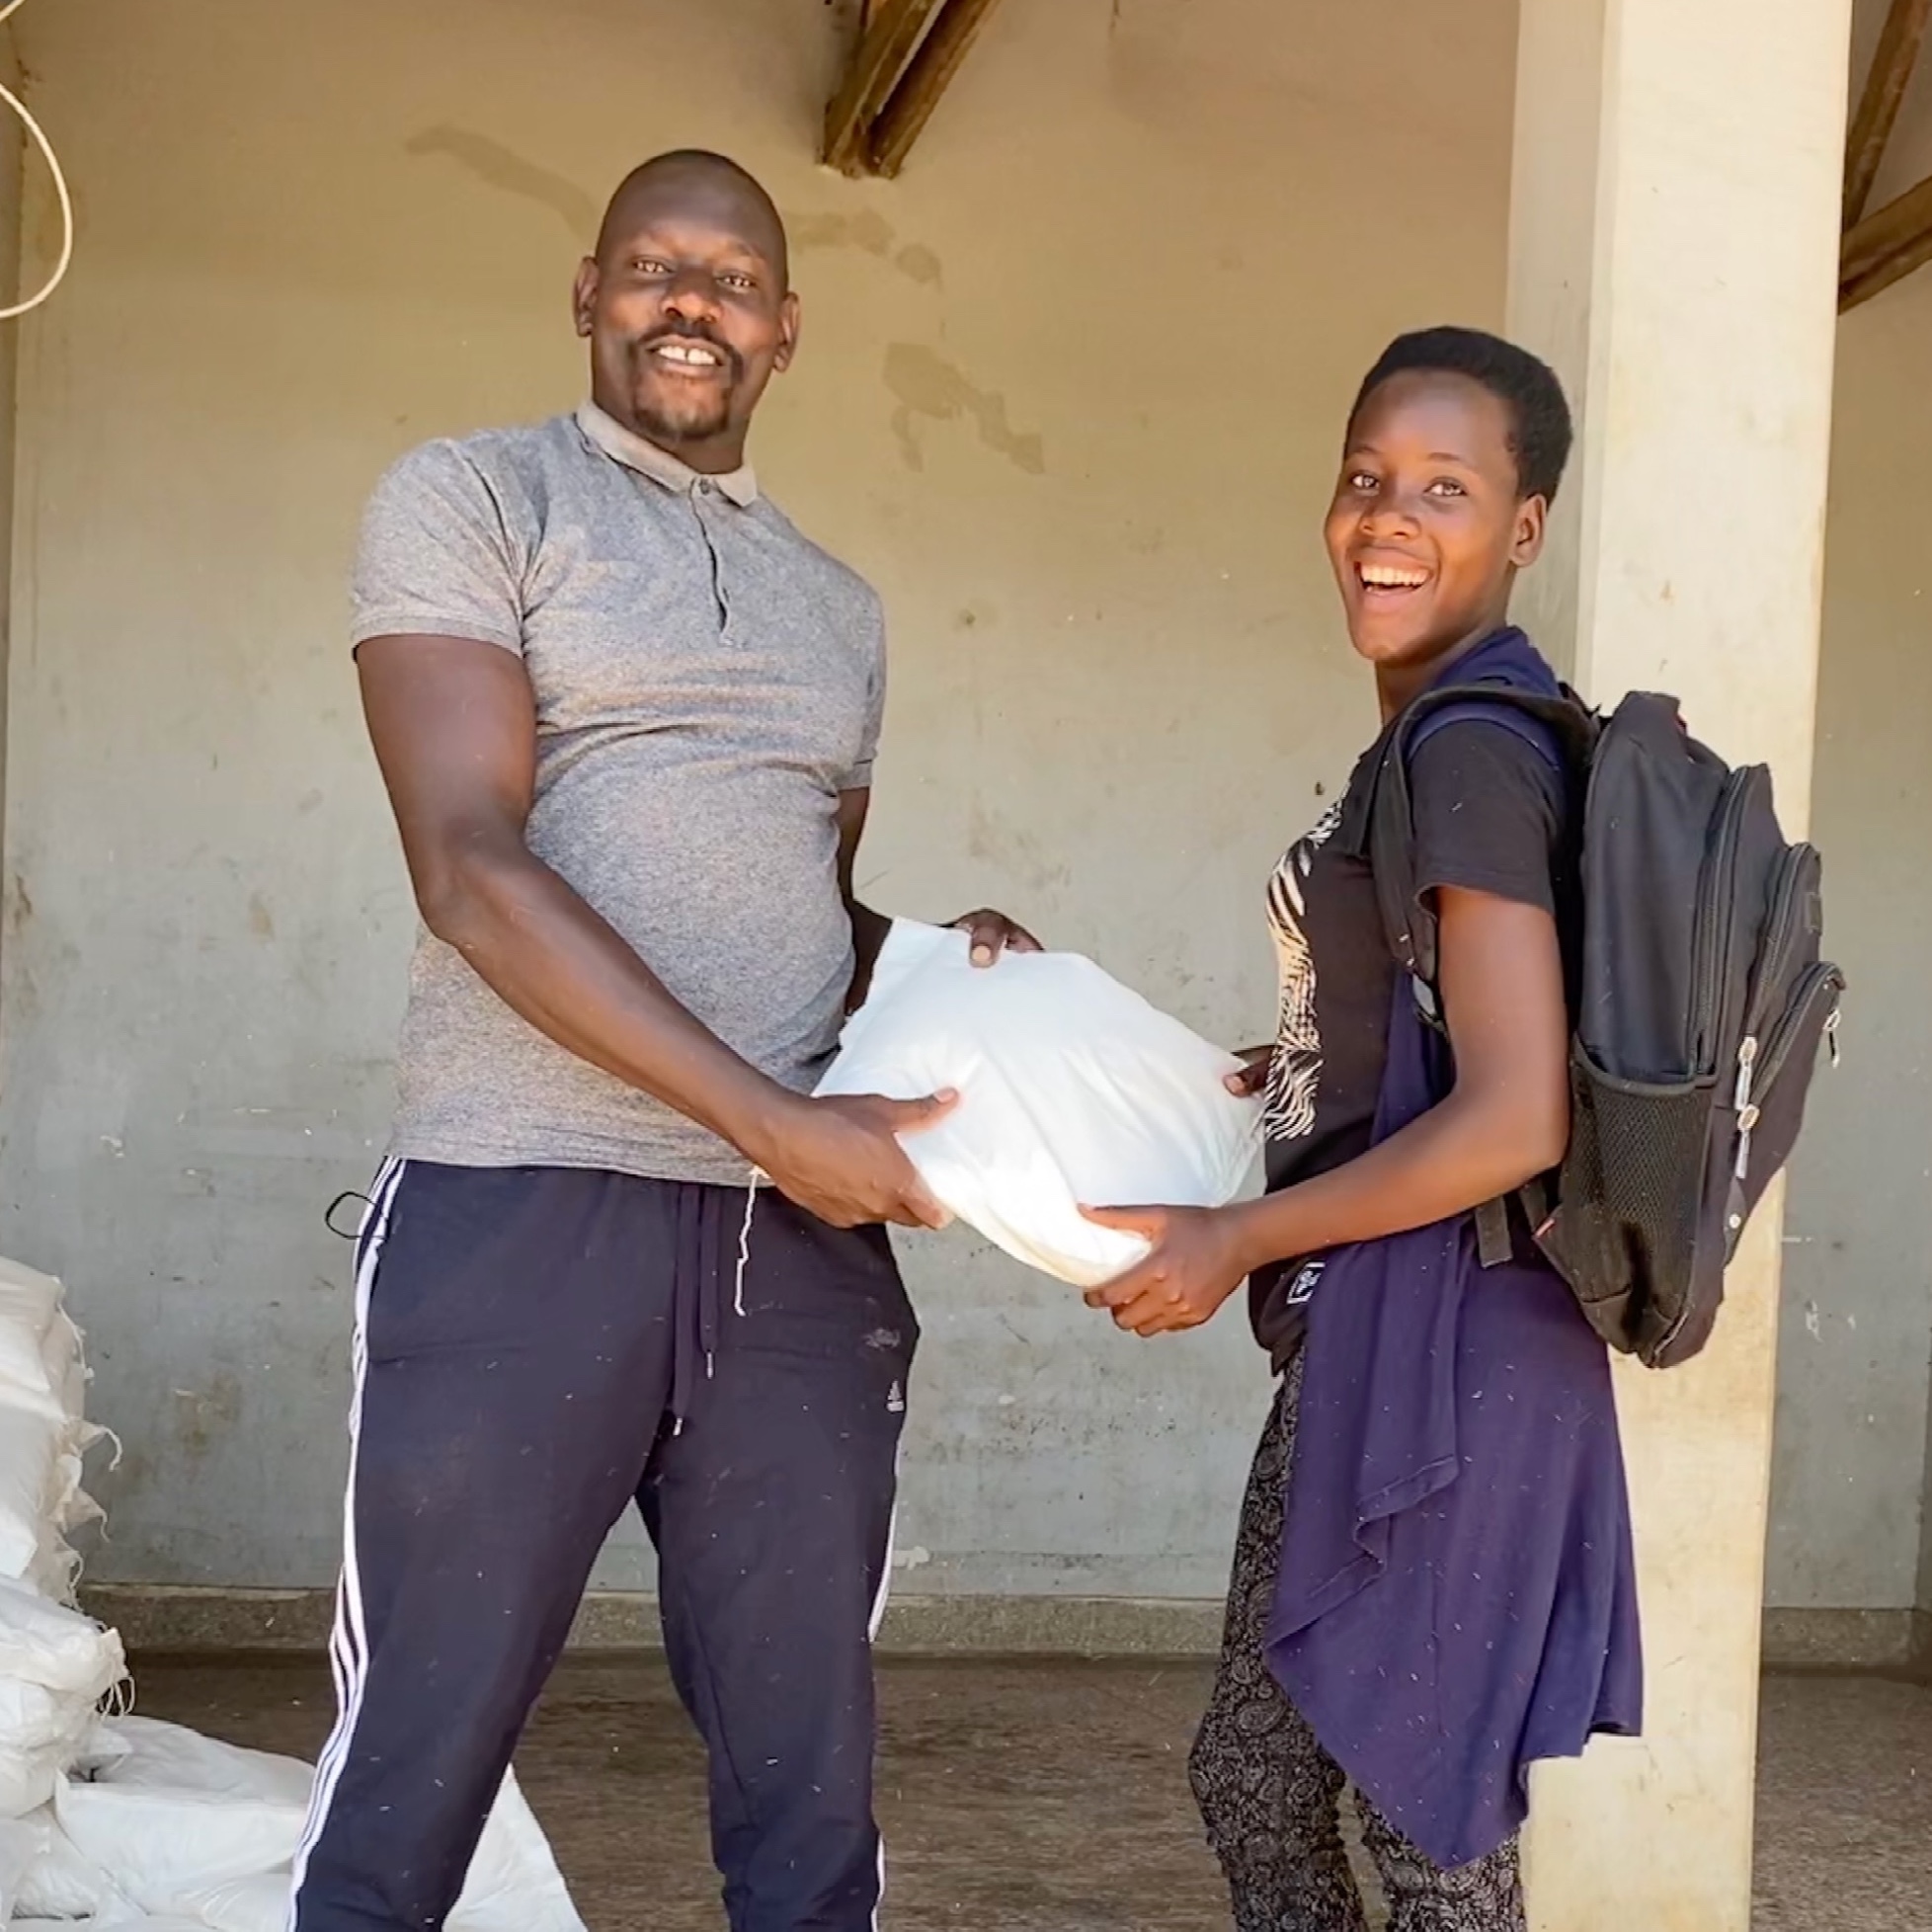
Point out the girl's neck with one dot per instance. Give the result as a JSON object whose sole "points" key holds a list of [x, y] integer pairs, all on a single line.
{"points": [[1397, 686]]}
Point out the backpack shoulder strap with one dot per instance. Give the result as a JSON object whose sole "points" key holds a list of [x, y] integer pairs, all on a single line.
{"points": [[1562, 730], [1556, 726], [1505, 706]]}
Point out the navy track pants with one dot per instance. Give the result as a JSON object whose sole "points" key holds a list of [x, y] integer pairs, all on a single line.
{"points": [[536, 1348]]}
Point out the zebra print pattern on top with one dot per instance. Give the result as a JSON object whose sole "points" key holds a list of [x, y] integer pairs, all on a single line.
{"points": [[1295, 1075]]}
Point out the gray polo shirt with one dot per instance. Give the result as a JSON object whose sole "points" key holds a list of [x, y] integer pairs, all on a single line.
{"points": [[707, 682]]}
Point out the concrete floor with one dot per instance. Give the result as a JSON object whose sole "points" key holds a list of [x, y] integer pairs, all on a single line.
{"points": [[1051, 1797]]}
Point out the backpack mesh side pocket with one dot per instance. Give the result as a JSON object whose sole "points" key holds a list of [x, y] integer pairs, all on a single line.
{"points": [[1629, 1200]]}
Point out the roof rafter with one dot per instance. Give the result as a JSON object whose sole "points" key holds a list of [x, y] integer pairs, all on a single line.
{"points": [[1885, 247], [1900, 40], [907, 54]]}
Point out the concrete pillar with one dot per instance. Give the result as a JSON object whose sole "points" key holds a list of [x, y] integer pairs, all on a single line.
{"points": [[1673, 249]]}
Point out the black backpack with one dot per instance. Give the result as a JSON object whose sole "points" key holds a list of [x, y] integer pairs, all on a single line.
{"points": [[1698, 1003]]}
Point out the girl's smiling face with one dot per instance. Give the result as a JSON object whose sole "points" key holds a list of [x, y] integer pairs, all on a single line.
{"points": [[1429, 525]]}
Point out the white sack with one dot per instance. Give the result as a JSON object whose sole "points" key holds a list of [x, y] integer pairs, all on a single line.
{"points": [[56, 1570], [16, 1853], [59, 1883], [42, 1732], [42, 1437], [40, 1480], [30, 1448], [182, 1824], [56, 1665], [36, 1341], [28, 1778], [257, 1904], [514, 1885], [166, 1812], [1073, 1091], [45, 1642], [33, 1717]]}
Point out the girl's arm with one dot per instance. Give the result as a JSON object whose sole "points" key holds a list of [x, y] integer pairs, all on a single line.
{"points": [[1506, 1121]]}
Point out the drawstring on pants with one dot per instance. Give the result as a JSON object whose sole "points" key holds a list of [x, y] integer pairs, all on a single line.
{"points": [[745, 1241], [697, 1287]]}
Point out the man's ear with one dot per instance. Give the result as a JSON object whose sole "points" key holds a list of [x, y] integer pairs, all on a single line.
{"points": [[787, 334], [583, 294]]}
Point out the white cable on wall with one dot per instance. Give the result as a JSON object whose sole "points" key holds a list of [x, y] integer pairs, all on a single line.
{"points": [[40, 140]]}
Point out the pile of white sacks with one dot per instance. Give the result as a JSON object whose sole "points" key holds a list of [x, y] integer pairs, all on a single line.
{"points": [[112, 1820]]}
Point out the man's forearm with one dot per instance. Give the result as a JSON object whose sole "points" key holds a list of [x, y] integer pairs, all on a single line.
{"points": [[554, 961]]}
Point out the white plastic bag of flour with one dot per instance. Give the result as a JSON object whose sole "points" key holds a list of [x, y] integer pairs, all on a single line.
{"points": [[1073, 1090]]}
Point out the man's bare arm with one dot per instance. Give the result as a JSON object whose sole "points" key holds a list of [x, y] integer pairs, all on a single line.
{"points": [[455, 728]]}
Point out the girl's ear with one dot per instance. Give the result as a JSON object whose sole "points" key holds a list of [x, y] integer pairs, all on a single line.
{"points": [[1532, 519]]}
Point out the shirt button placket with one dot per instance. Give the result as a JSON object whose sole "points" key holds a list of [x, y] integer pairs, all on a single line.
{"points": [[704, 501]]}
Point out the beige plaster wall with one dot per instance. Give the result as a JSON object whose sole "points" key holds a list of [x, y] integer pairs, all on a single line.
{"points": [[1068, 394]]}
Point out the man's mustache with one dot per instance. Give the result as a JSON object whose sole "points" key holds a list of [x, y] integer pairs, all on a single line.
{"points": [[690, 332]]}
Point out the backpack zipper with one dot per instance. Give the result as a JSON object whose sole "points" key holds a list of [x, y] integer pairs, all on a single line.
{"points": [[1711, 935], [1783, 929], [1758, 1070], [1805, 997]]}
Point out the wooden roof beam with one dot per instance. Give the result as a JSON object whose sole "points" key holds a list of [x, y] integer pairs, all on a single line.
{"points": [[1900, 40], [907, 56], [891, 34], [938, 60], [1886, 247]]}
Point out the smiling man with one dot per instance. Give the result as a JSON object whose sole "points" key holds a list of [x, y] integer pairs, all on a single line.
{"points": [[626, 715]]}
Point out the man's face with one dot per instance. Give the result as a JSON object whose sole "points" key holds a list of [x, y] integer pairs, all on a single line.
{"points": [[688, 315], [1429, 526]]}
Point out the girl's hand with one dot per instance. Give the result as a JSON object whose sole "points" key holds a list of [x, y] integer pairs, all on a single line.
{"points": [[1195, 1264], [1253, 1079], [992, 934]]}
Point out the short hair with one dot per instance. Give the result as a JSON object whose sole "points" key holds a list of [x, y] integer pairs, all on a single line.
{"points": [[1541, 426], [698, 161]]}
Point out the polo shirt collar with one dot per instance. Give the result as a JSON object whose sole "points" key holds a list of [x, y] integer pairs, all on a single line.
{"points": [[625, 446]]}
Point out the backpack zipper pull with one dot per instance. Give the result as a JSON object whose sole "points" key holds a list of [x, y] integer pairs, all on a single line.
{"points": [[1831, 1034], [1741, 1102]]}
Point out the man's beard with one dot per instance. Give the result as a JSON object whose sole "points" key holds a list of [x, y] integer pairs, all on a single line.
{"points": [[694, 419], [696, 416]]}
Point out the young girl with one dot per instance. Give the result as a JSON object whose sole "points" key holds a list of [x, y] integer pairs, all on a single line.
{"points": [[1443, 1594]]}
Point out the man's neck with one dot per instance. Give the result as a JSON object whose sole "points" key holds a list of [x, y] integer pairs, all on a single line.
{"points": [[717, 455]]}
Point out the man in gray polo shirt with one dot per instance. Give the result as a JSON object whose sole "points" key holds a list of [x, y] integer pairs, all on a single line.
{"points": [[626, 715]]}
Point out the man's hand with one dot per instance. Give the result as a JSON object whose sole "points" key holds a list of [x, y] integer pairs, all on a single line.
{"points": [[1195, 1264], [993, 934], [839, 1159], [1253, 1079]]}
